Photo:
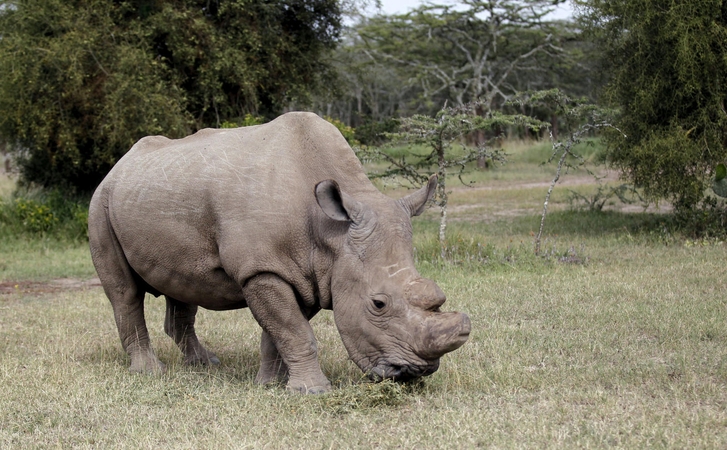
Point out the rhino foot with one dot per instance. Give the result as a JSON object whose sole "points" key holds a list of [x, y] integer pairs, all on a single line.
{"points": [[203, 358], [146, 362], [275, 371], [312, 387]]}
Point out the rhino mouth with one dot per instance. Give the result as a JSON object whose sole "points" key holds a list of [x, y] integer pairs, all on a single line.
{"points": [[401, 372]]}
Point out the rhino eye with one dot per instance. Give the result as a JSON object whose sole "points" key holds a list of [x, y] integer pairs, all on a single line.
{"points": [[378, 304]]}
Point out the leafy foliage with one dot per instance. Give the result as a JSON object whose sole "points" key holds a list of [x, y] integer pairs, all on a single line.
{"points": [[442, 135], [81, 81], [372, 132], [248, 120], [454, 53], [667, 62], [348, 132], [44, 213], [720, 180]]}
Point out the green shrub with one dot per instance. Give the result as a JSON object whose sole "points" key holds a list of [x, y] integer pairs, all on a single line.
{"points": [[36, 217], [374, 133], [348, 132], [247, 121], [53, 212], [707, 219]]}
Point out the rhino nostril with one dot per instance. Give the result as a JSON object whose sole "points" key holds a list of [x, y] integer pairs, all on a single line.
{"points": [[395, 371], [377, 374]]}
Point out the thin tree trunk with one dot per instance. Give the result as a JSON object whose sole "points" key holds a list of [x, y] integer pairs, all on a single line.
{"points": [[554, 126], [442, 229], [547, 199], [442, 188]]}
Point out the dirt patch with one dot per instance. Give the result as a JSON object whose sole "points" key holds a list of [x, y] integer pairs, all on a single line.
{"points": [[47, 287], [566, 180]]}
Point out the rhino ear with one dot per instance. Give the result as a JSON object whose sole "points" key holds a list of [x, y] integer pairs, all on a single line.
{"points": [[416, 203], [335, 203]]}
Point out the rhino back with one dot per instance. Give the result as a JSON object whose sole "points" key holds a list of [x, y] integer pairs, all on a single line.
{"points": [[198, 216]]}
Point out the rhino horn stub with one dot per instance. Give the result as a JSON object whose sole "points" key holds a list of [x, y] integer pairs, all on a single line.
{"points": [[416, 203], [425, 294]]}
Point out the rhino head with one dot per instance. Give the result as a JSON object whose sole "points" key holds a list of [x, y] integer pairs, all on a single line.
{"points": [[387, 314]]}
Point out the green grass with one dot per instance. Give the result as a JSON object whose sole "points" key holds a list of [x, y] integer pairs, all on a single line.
{"points": [[615, 337], [42, 235], [43, 258]]}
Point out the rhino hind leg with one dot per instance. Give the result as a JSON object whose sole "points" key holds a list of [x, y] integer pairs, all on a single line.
{"points": [[179, 325], [135, 338], [272, 367], [273, 303], [129, 314], [125, 292]]}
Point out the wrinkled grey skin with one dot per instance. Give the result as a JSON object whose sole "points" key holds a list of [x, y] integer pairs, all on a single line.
{"points": [[279, 218]]}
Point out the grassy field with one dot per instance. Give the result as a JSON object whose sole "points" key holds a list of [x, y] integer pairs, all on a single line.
{"points": [[616, 338]]}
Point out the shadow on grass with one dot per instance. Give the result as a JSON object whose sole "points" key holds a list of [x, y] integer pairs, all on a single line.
{"points": [[577, 223], [507, 242], [237, 366], [598, 223]]}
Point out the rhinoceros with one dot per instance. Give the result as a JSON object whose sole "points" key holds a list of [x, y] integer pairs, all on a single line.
{"points": [[279, 218]]}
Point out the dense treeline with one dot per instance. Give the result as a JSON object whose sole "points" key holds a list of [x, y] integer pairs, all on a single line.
{"points": [[82, 80], [484, 51]]}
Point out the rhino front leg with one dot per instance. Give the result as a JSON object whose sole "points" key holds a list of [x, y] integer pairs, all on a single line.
{"points": [[272, 366], [179, 325], [273, 303]]}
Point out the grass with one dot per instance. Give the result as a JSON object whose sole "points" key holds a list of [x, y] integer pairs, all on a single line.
{"points": [[43, 259], [42, 235], [615, 339]]}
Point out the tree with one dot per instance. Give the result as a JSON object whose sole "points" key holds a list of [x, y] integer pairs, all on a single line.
{"points": [[366, 89], [82, 80], [442, 137], [580, 118], [667, 62], [471, 50]]}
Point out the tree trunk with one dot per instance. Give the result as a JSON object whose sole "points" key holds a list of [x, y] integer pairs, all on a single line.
{"points": [[442, 229], [483, 163], [554, 126], [442, 191]]}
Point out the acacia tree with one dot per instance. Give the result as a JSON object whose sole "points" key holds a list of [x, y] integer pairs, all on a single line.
{"points": [[442, 135], [667, 63], [82, 80], [470, 50]]}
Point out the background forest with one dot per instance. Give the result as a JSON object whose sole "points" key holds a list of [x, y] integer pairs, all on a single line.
{"points": [[82, 80]]}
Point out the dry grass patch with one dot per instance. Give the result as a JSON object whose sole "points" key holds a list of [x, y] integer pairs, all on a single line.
{"points": [[629, 350]]}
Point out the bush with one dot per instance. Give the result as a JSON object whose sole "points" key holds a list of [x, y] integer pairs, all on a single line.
{"points": [[82, 81], [348, 132], [667, 62], [248, 120], [34, 213], [35, 217], [708, 219], [374, 133]]}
